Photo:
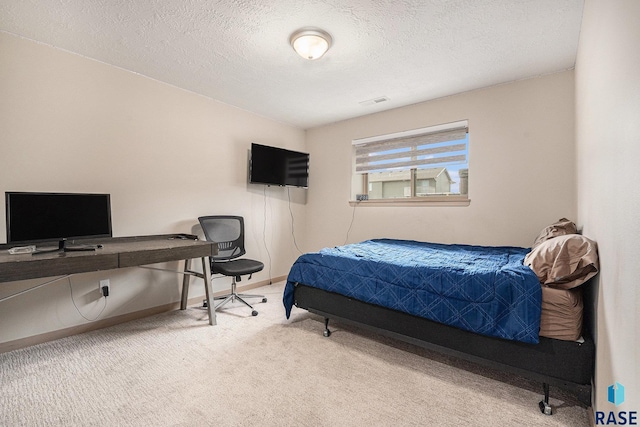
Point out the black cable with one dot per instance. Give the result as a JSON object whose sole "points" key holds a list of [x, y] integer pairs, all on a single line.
{"points": [[353, 215], [264, 232], [292, 230], [79, 312]]}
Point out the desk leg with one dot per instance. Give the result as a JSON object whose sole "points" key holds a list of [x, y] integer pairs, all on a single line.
{"points": [[185, 285], [206, 270]]}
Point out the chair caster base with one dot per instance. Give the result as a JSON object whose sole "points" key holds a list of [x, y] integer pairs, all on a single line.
{"points": [[254, 313], [264, 300], [326, 333]]}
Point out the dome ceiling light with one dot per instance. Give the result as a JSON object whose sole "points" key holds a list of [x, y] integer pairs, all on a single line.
{"points": [[310, 43]]}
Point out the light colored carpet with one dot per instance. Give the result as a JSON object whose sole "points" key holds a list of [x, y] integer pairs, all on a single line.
{"points": [[175, 370]]}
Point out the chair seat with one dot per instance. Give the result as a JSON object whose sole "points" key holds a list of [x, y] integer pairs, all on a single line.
{"points": [[237, 267]]}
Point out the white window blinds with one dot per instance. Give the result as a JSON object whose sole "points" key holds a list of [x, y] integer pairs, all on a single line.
{"points": [[433, 147]]}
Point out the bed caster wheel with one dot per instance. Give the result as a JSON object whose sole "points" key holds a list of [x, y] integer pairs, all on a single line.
{"points": [[327, 332], [264, 300], [545, 408], [254, 313]]}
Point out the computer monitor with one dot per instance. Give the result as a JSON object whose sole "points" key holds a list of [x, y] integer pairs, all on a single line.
{"points": [[46, 217]]}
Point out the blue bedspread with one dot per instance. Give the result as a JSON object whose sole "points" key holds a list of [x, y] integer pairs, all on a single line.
{"points": [[487, 290]]}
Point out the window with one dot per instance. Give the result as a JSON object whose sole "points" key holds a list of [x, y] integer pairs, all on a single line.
{"points": [[418, 165]]}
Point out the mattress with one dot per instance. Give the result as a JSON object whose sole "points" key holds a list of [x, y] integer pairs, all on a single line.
{"points": [[482, 289], [561, 315]]}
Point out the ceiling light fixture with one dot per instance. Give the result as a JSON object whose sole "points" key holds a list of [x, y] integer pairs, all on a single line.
{"points": [[310, 43]]}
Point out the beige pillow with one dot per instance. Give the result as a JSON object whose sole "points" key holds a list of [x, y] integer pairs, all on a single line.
{"points": [[560, 228], [562, 313], [565, 261]]}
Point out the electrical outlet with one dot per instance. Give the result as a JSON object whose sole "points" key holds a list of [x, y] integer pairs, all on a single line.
{"points": [[105, 287]]}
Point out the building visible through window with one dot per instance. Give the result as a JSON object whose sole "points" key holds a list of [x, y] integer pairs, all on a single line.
{"points": [[420, 163]]}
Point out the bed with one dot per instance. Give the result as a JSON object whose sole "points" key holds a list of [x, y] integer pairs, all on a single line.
{"points": [[516, 309]]}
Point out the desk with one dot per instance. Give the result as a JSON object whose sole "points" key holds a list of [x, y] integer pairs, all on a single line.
{"points": [[119, 252]]}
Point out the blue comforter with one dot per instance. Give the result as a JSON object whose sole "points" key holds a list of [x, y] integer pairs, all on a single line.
{"points": [[487, 290]]}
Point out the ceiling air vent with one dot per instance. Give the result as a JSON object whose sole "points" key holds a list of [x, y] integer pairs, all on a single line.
{"points": [[374, 101]]}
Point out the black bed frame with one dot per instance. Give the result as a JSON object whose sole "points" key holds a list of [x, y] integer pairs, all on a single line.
{"points": [[568, 365]]}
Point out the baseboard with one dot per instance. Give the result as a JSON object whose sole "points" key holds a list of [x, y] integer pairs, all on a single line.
{"points": [[116, 320]]}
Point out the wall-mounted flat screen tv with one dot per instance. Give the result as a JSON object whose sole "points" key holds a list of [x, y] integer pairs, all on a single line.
{"points": [[278, 166], [46, 217]]}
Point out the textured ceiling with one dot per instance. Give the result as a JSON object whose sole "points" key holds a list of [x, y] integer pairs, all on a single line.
{"points": [[237, 51]]}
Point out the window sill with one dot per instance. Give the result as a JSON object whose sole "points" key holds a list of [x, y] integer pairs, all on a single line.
{"points": [[416, 201]]}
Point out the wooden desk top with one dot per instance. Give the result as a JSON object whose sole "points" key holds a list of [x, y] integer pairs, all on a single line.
{"points": [[119, 252]]}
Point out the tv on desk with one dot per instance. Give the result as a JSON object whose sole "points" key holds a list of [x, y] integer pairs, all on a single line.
{"points": [[49, 217], [278, 166]]}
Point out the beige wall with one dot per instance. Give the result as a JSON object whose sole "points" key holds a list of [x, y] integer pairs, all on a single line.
{"points": [[608, 150], [521, 173], [165, 155]]}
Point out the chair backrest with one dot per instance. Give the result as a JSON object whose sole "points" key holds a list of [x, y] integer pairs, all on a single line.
{"points": [[228, 232]]}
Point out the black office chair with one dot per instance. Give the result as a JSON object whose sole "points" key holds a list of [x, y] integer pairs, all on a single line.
{"points": [[228, 232]]}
